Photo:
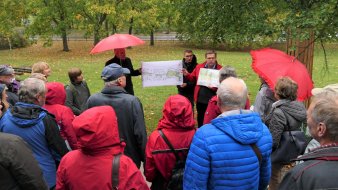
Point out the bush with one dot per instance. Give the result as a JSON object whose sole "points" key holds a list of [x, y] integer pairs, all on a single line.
{"points": [[17, 41]]}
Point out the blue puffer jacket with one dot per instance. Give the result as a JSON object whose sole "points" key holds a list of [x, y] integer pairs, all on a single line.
{"points": [[41, 133], [221, 157]]}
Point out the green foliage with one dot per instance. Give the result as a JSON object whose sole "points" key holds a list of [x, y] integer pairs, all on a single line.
{"points": [[236, 23], [49, 18], [16, 40], [12, 13], [242, 23], [319, 16]]}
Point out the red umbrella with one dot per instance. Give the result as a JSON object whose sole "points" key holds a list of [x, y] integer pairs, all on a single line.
{"points": [[271, 64], [116, 41]]}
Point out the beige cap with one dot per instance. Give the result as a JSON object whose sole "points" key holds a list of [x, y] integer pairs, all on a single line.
{"points": [[333, 87]]}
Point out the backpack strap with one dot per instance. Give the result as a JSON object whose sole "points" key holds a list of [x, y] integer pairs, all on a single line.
{"points": [[115, 171], [169, 144], [257, 152]]}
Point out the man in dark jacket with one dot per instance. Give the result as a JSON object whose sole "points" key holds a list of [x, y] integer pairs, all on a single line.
{"points": [[319, 169], [128, 109], [125, 62], [37, 127], [7, 78], [18, 167], [187, 88]]}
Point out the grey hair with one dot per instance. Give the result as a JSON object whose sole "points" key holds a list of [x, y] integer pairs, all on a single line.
{"points": [[111, 83], [30, 88], [227, 71], [232, 93], [326, 111]]}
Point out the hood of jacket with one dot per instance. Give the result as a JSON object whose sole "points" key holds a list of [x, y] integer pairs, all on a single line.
{"points": [[292, 109], [244, 126], [26, 115], [177, 113], [96, 129], [56, 93]]}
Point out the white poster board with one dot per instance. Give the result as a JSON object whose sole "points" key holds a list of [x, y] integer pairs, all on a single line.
{"points": [[208, 77], [162, 73]]}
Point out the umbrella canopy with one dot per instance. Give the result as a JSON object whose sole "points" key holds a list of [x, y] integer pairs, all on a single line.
{"points": [[116, 41], [271, 64]]}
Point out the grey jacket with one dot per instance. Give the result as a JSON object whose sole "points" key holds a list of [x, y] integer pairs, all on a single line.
{"points": [[264, 100], [285, 115], [130, 118], [18, 167], [77, 96]]}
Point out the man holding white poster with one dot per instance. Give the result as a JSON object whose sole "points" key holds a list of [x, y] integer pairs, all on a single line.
{"points": [[204, 90]]}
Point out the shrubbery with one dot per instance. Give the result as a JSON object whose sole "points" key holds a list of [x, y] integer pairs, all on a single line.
{"points": [[16, 41]]}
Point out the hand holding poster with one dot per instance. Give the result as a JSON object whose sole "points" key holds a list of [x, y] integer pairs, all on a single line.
{"points": [[162, 73], [208, 77]]}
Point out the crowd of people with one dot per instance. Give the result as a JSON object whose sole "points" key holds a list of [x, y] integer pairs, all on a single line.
{"points": [[56, 136]]}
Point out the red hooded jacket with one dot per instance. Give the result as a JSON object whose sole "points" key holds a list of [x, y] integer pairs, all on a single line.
{"points": [[55, 100], [90, 167], [178, 125], [194, 77]]}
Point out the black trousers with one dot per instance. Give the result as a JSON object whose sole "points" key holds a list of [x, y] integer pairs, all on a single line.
{"points": [[201, 108]]}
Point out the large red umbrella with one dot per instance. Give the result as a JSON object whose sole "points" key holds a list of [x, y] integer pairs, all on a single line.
{"points": [[116, 41], [271, 64]]}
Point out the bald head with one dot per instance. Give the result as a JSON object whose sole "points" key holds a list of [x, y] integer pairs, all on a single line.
{"points": [[232, 94]]}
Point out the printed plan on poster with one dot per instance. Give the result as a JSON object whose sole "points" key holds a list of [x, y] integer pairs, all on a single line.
{"points": [[208, 77], [162, 73]]}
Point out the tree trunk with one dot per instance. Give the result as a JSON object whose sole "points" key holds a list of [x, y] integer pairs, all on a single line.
{"points": [[96, 36], [303, 50], [152, 43], [9, 43], [114, 29], [131, 25], [65, 41], [106, 26]]}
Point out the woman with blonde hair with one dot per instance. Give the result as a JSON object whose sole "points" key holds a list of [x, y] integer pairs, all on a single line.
{"points": [[41, 67]]}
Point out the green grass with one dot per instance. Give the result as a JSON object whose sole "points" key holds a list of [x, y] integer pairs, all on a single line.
{"points": [[152, 98]]}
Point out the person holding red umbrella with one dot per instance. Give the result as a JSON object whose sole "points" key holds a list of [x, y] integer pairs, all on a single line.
{"points": [[125, 62], [119, 42]]}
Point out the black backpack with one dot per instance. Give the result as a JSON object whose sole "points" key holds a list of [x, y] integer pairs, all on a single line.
{"points": [[176, 180]]}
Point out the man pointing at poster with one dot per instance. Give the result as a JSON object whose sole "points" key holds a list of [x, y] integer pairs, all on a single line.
{"points": [[203, 94]]}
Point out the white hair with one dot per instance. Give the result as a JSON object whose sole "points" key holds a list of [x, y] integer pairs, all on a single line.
{"points": [[232, 93]]}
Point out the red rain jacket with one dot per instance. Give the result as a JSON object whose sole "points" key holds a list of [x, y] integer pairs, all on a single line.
{"points": [[213, 110], [90, 167], [55, 100], [178, 125], [194, 77]]}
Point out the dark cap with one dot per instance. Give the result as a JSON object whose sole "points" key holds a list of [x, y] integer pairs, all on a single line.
{"points": [[6, 70], [112, 72]]}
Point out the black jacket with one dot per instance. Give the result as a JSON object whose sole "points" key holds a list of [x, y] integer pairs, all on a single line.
{"points": [[130, 118], [189, 89], [18, 167], [126, 63], [318, 171]]}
